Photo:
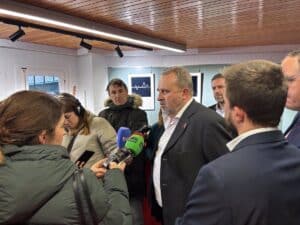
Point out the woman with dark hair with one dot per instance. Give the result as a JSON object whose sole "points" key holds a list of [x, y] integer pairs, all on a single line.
{"points": [[36, 175], [85, 131]]}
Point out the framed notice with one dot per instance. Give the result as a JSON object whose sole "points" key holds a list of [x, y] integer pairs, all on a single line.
{"points": [[143, 85]]}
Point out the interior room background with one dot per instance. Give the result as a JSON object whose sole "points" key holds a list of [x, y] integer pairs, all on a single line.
{"points": [[87, 73]]}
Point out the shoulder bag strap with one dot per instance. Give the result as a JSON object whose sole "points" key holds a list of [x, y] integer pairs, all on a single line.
{"points": [[82, 197], [71, 143]]}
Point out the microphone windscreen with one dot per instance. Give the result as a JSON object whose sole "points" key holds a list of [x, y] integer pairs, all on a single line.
{"points": [[122, 135], [135, 144]]}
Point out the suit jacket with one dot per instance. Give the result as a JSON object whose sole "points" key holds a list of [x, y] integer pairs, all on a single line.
{"points": [[296, 138], [257, 184], [213, 107], [199, 137]]}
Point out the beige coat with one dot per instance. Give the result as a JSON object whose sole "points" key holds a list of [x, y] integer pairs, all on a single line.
{"points": [[101, 140]]}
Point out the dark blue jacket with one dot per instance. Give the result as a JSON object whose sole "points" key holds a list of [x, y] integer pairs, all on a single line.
{"points": [[295, 140], [257, 184]]}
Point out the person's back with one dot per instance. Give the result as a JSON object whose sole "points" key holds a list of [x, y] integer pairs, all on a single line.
{"points": [[259, 182], [37, 187], [36, 174]]}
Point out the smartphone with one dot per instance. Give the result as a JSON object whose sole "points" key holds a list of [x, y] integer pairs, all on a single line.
{"points": [[85, 156]]}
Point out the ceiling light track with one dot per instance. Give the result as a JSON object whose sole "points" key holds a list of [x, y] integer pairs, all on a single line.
{"points": [[71, 33], [60, 21], [18, 34]]}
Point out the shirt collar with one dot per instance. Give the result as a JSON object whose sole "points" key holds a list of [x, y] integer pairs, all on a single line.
{"points": [[233, 143]]}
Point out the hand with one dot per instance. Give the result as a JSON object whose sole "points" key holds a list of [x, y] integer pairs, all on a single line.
{"points": [[128, 161], [120, 165], [98, 168], [79, 164]]}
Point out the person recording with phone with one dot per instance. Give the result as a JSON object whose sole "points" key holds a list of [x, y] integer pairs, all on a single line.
{"points": [[37, 176], [88, 138]]}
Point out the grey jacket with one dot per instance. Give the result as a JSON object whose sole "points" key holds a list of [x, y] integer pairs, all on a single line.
{"points": [[36, 187], [101, 140]]}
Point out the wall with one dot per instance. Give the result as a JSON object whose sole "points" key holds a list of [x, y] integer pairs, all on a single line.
{"points": [[210, 61], [81, 69], [12, 60], [89, 72], [207, 70]]}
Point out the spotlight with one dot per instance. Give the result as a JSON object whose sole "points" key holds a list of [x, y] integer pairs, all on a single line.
{"points": [[119, 51], [15, 36], [85, 45]]}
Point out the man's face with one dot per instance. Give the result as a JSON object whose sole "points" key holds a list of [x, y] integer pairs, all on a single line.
{"points": [[291, 71], [218, 86], [170, 96], [118, 94]]}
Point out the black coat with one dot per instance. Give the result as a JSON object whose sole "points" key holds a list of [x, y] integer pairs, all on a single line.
{"points": [[129, 115]]}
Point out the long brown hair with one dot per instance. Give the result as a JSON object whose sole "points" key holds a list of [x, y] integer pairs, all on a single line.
{"points": [[25, 114], [72, 104]]}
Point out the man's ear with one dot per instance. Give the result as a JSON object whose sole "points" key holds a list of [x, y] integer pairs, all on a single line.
{"points": [[239, 114], [186, 92], [43, 137]]}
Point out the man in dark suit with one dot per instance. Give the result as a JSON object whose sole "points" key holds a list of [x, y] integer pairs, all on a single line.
{"points": [[291, 70], [258, 182], [193, 136], [218, 87]]}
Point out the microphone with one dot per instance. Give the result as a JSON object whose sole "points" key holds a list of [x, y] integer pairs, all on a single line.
{"points": [[143, 130], [122, 135], [133, 146]]}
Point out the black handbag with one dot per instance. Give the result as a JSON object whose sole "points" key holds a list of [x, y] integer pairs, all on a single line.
{"points": [[86, 210]]}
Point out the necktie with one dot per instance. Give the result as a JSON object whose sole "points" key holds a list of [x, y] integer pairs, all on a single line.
{"points": [[295, 130]]}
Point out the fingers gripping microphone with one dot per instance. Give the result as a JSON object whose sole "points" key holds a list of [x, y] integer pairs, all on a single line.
{"points": [[133, 147], [122, 135]]}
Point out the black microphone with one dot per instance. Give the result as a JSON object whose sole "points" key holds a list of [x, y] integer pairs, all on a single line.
{"points": [[133, 146]]}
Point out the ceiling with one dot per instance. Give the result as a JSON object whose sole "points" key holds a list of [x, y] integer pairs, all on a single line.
{"points": [[193, 23]]}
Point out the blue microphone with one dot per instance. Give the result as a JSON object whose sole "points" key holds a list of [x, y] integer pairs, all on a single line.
{"points": [[122, 135]]}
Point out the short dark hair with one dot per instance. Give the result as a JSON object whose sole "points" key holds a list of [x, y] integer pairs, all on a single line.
{"points": [[117, 82], [259, 88], [25, 114], [295, 53], [217, 76]]}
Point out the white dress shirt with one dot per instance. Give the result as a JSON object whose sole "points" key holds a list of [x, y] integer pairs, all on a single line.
{"points": [[220, 111], [170, 125]]}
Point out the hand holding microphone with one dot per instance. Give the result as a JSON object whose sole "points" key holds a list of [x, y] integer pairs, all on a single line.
{"points": [[133, 146], [99, 170], [100, 167]]}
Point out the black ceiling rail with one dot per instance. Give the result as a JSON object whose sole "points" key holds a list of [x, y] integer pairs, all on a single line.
{"points": [[71, 33]]}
